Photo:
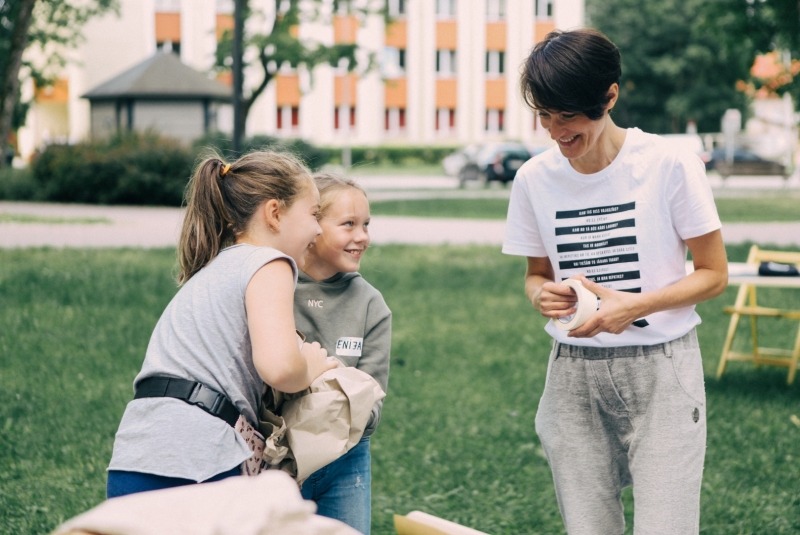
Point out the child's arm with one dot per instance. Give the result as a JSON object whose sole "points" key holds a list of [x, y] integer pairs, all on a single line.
{"points": [[269, 301], [374, 359]]}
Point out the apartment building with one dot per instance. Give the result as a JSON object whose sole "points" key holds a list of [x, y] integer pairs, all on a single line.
{"points": [[444, 71]]}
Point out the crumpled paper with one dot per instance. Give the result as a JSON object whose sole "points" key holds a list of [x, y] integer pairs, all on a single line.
{"points": [[267, 504], [310, 429]]}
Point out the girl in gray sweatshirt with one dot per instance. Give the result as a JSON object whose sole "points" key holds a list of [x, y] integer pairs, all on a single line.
{"points": [[336, 307]]}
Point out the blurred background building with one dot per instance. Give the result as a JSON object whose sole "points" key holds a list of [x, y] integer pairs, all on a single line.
{"points": [[444, 72]]}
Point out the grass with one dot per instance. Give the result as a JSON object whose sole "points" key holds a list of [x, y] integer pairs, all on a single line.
{"points": [[457, 437], [731, 210], [6, 217], [463, 208]]}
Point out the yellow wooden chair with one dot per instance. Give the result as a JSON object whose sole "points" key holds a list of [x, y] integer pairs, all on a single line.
{"points": [[747, 292]]}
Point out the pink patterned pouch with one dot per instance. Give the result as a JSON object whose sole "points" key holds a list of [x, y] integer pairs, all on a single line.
{"points": [[256, 442]]}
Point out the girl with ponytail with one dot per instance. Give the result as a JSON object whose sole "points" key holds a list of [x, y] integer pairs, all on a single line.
{"points": [[229, 328]]}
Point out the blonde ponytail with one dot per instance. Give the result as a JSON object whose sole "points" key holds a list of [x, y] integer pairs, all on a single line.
{"points": [[222, 198]]}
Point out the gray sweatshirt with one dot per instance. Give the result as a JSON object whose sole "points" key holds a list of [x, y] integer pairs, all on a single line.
{"points": [[350, 319]]}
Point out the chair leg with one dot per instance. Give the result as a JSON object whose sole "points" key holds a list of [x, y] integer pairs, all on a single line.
{"points": [[754, 326], [795, 358], [726, 348]]}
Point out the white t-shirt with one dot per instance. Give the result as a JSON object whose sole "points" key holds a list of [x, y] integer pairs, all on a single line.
{"points": [[623, 227]]}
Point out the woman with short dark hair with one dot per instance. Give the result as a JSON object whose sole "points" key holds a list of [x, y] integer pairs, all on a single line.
{"points": [[615, 208]]}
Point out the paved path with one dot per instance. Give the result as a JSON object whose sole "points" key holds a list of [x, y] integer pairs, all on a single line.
{"points": [[160, 227]]}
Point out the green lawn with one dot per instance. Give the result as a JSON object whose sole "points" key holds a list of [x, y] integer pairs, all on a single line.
{"points": [[457, 438], [731, 210]]}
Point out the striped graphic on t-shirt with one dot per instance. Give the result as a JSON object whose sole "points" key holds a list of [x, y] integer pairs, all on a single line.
{"points": [[600, 242]]}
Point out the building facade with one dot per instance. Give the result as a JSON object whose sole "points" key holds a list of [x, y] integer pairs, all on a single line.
{"points": [[443, 71]]}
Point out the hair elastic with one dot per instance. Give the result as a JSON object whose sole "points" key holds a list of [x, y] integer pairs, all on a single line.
{"points": [[225, 170]]}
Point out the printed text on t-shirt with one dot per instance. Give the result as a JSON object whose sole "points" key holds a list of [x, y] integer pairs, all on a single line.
{"points": [[600, 242]]}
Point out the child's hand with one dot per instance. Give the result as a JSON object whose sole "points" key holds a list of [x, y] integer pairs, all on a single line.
{"points": [[317, 360]]}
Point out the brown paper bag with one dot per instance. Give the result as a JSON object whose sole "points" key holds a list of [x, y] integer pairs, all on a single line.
{"points": [[310, 429]]}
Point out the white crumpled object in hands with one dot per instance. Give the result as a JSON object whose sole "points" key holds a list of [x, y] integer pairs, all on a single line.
{"points": [[266, 504]]}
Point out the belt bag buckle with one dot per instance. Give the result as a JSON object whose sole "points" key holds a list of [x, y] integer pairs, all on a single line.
{"points": [[205, 398]]}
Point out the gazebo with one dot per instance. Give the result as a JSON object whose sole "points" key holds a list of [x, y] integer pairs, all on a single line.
{"points": [[161, 94]]}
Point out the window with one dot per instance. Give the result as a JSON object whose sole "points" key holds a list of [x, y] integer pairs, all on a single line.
{"points": [[495, 9], [543, 9], [395, 120], [495, 62], [446, 9], [445, 121], [288, 119], [340, 113], [494, 121], [225, 6], [396, 8], [341, 7], [167, 6], [446, 63], [394, 62]]}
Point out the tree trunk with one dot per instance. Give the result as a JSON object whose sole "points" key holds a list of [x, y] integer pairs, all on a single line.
{"points": [[8, 97]]}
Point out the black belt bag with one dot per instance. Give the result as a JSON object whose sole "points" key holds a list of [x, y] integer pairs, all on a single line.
{"points": [[192, 393]]}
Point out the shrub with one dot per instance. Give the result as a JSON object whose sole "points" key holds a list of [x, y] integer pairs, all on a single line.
{"points": [[143, 168], [313, 156], [17, 185], [130, 168]]}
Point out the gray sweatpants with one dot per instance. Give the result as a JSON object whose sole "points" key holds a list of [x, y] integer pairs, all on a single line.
{"points": [[614, 417]]}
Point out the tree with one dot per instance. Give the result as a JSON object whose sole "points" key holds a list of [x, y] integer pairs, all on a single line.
{"points": [[53, 26], [771, 25], [267, 51], [680, 61]]}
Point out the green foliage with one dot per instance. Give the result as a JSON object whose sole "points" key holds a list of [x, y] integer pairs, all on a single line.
{"points": [[129, 168], [681, 60], [394, 155], [17, 185], [56, 26], [457, 437], [768, 24]]}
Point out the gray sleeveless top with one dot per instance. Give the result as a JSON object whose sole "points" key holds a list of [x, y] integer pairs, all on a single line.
{"points": [[202, 336]]}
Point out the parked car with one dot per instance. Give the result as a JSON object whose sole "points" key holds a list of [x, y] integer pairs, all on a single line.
{"points": [[487, 163], [740, 156], [453, 162]]}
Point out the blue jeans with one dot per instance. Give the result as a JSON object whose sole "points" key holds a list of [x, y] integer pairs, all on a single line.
{"points": [[122, 483], [341, 490]]}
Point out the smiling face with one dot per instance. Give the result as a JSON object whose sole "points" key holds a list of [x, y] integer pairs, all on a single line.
{"points": [[587, 143], [575, 133], [345, 236], [298, 224]]}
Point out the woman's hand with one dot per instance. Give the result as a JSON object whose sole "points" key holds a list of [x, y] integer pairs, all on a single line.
{"points": [[555, 300], [617, 311], [317, 360]]}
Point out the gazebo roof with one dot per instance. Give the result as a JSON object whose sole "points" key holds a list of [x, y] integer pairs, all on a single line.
{"points": [[161, 76]]}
